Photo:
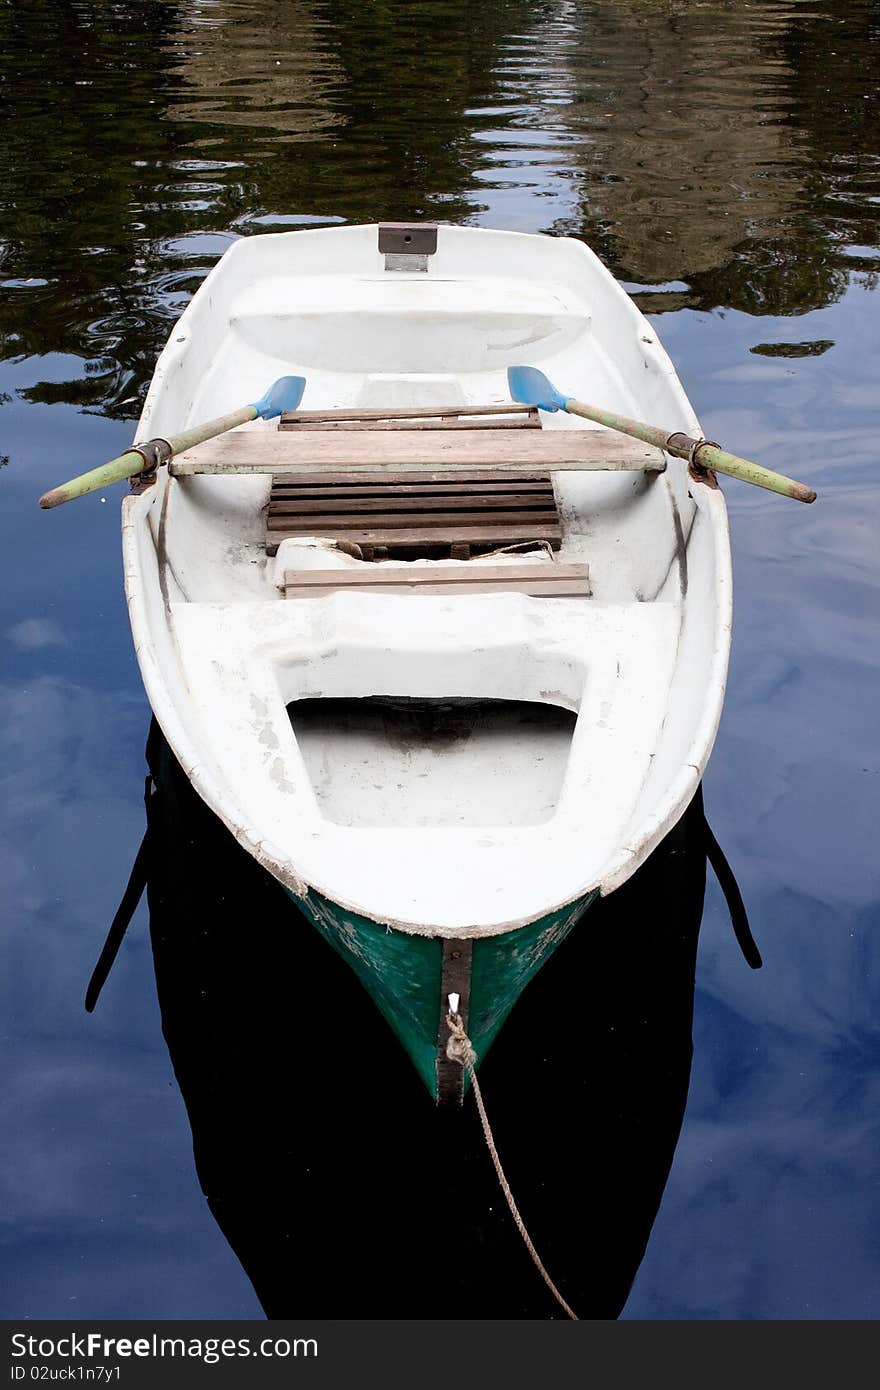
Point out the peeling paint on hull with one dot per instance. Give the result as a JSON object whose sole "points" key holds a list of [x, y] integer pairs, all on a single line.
{"points": [[402, 972]]}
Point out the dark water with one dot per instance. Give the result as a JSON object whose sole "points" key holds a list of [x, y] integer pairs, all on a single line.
{"points": [[723, 160]]}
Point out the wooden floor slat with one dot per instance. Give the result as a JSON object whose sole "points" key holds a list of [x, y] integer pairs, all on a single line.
{"points": [[415, 536], [283, 491], [430, 481], [344, 521], [330, 506]]}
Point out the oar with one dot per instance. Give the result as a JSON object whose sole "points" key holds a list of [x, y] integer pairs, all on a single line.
{"points": [[531, 387], [285, 394]]}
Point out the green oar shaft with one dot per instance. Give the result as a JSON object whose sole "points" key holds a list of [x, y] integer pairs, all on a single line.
{"points": [[199, 433], [704, 455], [125, 466], [130, 463]]}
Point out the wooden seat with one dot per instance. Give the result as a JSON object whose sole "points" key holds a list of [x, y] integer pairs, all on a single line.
{"points": [[391, 450]]}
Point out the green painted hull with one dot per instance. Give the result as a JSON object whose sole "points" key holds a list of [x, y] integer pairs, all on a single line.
{"points": [[403, 973]]}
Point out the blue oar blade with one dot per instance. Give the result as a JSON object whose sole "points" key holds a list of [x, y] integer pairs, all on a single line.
{"points": [[285, 394], [530, 387]]}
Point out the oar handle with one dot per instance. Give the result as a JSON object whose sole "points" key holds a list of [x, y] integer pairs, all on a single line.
{"points": [[701, 453], [133, 461], [127, 465]]}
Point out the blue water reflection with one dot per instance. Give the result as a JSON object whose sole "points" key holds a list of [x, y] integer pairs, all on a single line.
{"points": [[102, 1211]]}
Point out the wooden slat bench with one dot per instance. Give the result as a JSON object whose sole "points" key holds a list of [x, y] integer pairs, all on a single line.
{"points": [[416, 513]]}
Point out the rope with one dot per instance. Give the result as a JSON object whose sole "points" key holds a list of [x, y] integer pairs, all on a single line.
{"points": [[459, 1049]]}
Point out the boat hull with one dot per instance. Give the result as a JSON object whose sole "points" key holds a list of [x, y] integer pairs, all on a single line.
{"points": [[408, 977]]}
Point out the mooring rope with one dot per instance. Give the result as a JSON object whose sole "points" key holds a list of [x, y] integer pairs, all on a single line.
{"points": [[459, 1049]]}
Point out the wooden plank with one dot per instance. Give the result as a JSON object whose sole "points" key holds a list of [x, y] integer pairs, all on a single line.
{"points": [[384, 451], [511, 422], [296, 417], [334, 506], [367, 483], [426, 535], [444, 481], [532, 492], [537, 588], [344, 521], [438, 575]]}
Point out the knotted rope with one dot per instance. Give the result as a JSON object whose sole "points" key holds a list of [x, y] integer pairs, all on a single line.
{"points": [[459, 1049]]}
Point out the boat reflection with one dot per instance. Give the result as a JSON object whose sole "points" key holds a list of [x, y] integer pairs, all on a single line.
{"points": [[342, 1189]]}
